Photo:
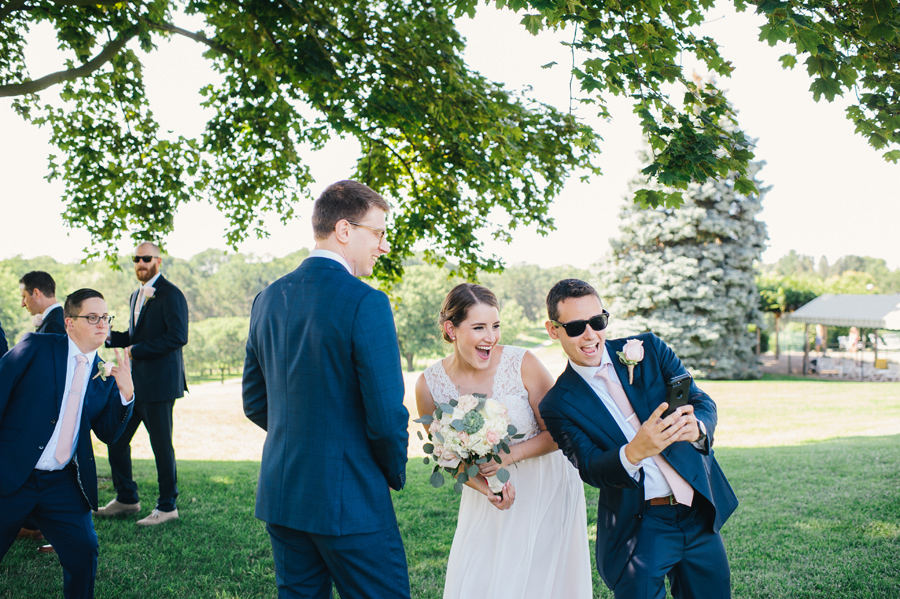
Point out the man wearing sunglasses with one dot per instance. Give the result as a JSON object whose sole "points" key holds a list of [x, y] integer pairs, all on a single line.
{"points": [[51, 398], [663, 497], [157, 330]]}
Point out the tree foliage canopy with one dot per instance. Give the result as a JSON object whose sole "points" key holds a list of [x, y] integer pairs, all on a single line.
{"points": [[448, 144], [451, 145]]}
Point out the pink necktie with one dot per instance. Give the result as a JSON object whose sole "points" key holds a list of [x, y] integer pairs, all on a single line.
{"points": [[681, 489], [137, 304], [69, 421]]}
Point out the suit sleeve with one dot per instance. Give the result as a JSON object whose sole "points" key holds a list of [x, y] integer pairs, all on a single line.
{"points": [[376, 354], [12, 365], [3, 346], [253, 392], [175, 321], [109, 424], [704, 406], [597, 467]]}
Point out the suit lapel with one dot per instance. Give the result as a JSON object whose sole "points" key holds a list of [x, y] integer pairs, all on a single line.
{"points": [[586, 400], [60, 353]]}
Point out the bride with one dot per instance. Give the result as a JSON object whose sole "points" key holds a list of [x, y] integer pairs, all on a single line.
{"points": [[531, 542]]}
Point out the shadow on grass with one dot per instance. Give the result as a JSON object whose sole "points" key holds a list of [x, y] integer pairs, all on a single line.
{"points": [[820, 520]]}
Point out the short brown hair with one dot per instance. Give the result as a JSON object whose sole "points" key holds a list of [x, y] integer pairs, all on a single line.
{"points": [[38, 279], [567, 289], [462, 297], [344, 200], [76, 298]]}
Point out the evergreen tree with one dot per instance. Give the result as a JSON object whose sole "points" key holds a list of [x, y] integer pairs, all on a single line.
{"points": [[688, 276]]}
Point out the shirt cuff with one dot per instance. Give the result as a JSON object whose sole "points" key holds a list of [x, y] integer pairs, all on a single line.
{"points": [[125, 402], [631, 469]]}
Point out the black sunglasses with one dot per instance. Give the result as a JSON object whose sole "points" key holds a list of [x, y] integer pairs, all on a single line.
{"points": [[146, 259], [576, 327]]}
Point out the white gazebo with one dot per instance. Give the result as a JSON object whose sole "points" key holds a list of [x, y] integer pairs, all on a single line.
{"points": [[863, 311]]}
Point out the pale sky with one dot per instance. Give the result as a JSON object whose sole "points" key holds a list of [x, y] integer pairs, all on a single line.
{"points": [[831, 193]]}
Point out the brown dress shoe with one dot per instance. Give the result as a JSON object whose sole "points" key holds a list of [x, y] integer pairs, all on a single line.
{"points": [[34, 535], [46, 549], [116, 508]]}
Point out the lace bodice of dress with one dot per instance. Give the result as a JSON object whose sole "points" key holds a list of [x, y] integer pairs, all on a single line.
{"points": [[508, 389]]}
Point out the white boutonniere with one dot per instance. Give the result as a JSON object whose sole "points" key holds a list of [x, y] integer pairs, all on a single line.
{"points": [[104, 369], [149, 292], [631, 354], [37, 320]]}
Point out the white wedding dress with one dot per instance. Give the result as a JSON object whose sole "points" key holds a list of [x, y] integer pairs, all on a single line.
{"points": [[538, 548]]}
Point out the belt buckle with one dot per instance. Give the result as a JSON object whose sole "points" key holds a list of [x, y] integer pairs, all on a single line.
{"points": [[671, 499]]}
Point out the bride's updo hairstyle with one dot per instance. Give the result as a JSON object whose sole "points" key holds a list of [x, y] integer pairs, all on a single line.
{"points": [[457, 303]]}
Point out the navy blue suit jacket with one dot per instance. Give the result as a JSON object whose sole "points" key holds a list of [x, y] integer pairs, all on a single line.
{"points": [[589, 436], [3, 346], [32, 384], [54, 323], [322, 376], [156, 340]]}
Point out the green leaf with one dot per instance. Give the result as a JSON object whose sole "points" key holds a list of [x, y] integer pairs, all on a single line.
{"points": [[462, 477], [472, 471], [533, 23], [419, 433], [445, 407], [439, 437], [458, 487], [511, 430], [548, 65], [479, 396], [437, 480], [459, 425], [425, 460], [428, 448], [788, 61], [503, 475], [426, 420]]}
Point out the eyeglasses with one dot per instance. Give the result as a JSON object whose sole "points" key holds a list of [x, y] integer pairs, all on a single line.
{"points": [[146, 259], [94, 318], [576, 327], [381, 232]]}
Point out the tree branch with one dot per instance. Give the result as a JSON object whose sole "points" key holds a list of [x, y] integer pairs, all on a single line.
{"points": [[37, 85], [197, 37]]}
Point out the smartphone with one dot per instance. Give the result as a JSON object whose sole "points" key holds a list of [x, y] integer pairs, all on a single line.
{"points": [[677, 392]]}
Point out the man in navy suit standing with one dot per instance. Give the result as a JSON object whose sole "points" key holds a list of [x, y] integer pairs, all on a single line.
{"points": [[322, 376], [663, 497], [38, 291], [51, 397], [157, 330]]}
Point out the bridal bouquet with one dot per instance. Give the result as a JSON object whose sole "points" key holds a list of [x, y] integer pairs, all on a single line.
{"points": [[470, 430]]}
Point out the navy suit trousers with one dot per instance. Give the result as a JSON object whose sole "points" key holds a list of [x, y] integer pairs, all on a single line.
{"points": [[306, 564], [157, 419], [677, 542], [59, 508]]}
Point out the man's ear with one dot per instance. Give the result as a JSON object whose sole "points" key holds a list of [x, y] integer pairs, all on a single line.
{"points": [[70, 324], [551, 330], [342, 231], [37, 294]]}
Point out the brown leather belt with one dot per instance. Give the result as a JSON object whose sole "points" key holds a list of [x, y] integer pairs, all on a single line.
{"points": [[668, 500]]}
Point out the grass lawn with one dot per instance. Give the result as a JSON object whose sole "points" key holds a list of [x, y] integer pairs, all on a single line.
{"points": [[816, 466]]}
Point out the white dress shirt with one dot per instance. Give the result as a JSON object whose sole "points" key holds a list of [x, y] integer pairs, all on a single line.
{"points": [[320, 253], [47, 311], [655, 484], [47, 460]]}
